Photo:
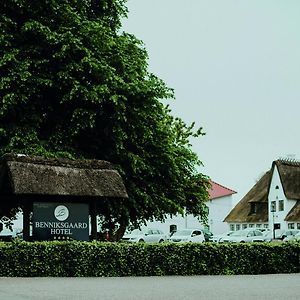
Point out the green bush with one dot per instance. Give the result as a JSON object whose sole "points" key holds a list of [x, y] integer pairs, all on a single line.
{"points": [[64, 259]]}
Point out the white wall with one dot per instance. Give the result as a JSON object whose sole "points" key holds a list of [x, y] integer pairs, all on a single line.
{"points": [[181, 222], [219, 208], [276, 195]]}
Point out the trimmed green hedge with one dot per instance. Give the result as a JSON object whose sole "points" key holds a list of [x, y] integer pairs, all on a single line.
{"points": [[64, 259]]}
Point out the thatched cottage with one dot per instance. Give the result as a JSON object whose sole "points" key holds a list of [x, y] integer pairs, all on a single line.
{"points": [[273, 202], [26, 180]]}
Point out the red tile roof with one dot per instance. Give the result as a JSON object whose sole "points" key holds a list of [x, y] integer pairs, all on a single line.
{"points": [[218, 191]]}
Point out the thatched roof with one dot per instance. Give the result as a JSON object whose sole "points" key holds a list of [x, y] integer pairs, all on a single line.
{"points": [[289, 172], [24, 175], [241, 213], [294, 214]]}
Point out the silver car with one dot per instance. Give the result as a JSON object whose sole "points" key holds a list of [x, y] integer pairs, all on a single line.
{"points": [[218, 237], [145, 235], [243, 236], [288, 235], [295, 237], [188, 235]]}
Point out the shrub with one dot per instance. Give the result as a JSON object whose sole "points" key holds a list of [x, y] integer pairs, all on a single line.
{"points": [[65, 259]]}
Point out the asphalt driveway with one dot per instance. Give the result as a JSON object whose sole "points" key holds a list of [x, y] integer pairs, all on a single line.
{"points": [[261, 287]]}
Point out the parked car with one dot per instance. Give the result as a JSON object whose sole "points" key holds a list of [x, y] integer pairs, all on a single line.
{"points": [[145, 235], [188, 235], [244, 235], [288, 235], [8, 234], [207, 234], [295, 237], [271, 235], [218, 237]]}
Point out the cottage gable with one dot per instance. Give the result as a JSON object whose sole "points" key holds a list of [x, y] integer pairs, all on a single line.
{"points": [[275, 195]]}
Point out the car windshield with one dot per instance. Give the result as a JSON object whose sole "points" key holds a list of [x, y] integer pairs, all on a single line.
{"points": [[182, 232], [240, 233], [136, 232]]}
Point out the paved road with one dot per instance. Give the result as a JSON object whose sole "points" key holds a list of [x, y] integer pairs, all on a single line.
{"points": [[263, 287]]}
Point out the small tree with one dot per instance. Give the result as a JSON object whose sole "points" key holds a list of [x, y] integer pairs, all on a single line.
{"points": [[72, 85]]}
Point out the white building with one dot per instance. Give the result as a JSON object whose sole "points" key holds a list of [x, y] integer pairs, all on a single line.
{"points": [[273, 202], [219, 205]]}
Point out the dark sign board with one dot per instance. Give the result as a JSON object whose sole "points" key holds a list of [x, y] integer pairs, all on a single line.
{"points": [[60, 221]]}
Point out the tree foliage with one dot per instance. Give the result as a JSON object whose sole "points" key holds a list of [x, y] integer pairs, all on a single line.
{"points": [[73, 85]]}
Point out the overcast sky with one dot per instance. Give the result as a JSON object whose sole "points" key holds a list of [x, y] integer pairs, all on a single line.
{"points": [[235, 69]]}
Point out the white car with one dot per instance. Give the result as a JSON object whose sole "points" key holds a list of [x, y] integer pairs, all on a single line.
{"points": [[145, 235], [8, 234], [289, 235], [188, 235], [218, 237], [295, 237], [245, 235]]}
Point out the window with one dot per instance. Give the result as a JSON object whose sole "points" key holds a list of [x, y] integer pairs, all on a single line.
{"points": [[258, 233], [277, 226], [291, 225], [298, 225], [258, 225], [231, 227], [251, 225], [266, 225], [281, 205], [238, 226], [273, 206], [196, 232], [173, 228], [244, 226], [253, 208]]}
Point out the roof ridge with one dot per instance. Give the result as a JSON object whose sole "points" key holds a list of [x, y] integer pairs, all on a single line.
{"points": [[289, 161], [57, 161]]}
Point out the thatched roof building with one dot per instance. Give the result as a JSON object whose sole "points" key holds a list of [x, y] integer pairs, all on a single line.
{"points": [[25, 180], [253, 207], [25, 175]]}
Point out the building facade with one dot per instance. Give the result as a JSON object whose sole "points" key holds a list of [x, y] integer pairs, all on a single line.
{"points": [[219, 205], [273, 202]]}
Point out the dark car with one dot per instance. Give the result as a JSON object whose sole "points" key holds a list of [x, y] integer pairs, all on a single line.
{"points": [[207, 235]]}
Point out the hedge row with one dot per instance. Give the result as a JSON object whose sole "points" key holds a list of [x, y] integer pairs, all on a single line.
{"points": [[64, 259]]}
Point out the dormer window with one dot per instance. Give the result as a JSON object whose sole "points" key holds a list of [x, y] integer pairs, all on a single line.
{"points": [[253, 208]]}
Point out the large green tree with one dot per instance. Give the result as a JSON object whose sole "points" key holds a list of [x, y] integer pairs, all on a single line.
{"points": [[73, 85]]}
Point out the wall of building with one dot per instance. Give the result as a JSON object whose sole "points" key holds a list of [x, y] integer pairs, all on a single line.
{"points": [[180, 222], [276, 195], [239, 226], [219, 208]]}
